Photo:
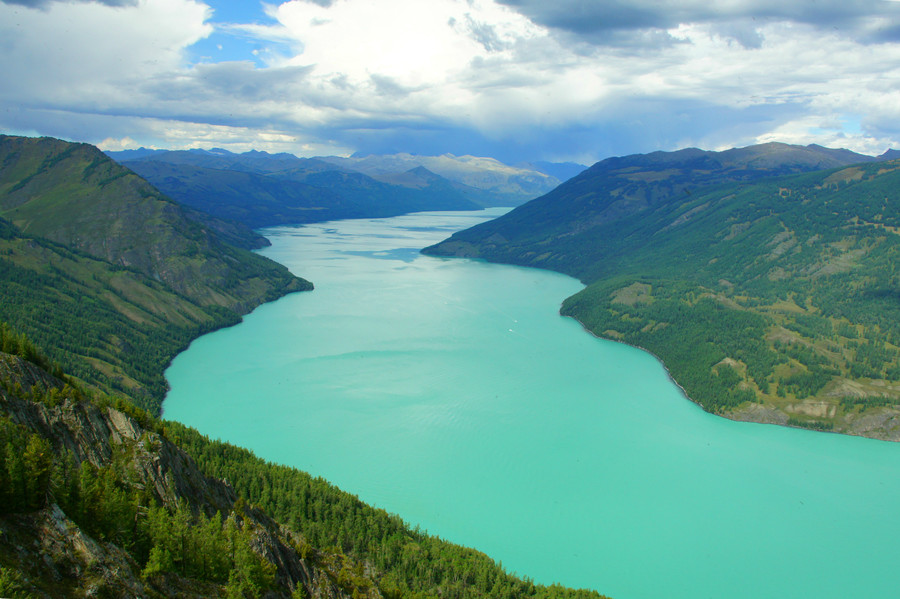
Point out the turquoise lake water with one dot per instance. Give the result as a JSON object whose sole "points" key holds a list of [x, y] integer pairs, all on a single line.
{"points": [[452, 393]]}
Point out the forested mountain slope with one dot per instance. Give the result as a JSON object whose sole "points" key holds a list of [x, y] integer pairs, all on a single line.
{"points": [[97, 498], [558, 230], [775, 300], [110, 275]]}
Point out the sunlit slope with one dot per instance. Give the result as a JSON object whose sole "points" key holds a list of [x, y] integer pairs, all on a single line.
{"points": [[560, 230], [76, 196], [98, 263], [775, 301]]}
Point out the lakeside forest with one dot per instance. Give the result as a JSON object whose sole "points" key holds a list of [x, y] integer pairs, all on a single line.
{"points": [[150, 494]]}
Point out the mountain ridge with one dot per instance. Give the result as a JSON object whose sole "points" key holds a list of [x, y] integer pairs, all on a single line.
{"points": [[619, 186], [507, 185], [260, 193], [113, 273], [485, 181]]}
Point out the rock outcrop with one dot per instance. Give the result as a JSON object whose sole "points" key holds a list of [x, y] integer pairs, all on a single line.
{"points": [[47, 545]]}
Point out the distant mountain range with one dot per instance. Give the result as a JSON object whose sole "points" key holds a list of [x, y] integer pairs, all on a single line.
{"points": [[763, 277], [500, 184], [260, 189]]}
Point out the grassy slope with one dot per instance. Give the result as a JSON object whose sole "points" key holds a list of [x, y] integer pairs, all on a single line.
{"points": [[783, 293], [76, 196], [560, 230]]}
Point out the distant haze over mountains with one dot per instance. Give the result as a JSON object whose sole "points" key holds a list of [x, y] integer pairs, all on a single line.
{"points": [[488, 174], [261, 189]]}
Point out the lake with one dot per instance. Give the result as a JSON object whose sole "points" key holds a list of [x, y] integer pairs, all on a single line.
{"points": [[451, 392]]}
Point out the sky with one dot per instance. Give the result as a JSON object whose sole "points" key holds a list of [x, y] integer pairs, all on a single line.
{"points": [[518, 80]]}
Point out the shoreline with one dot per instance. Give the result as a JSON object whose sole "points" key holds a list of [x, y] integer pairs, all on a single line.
{"points": [[684, 393]]}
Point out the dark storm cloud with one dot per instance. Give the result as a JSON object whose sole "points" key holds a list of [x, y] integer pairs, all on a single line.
{"points": [[220, 84], [640, 126], [601, 22]]}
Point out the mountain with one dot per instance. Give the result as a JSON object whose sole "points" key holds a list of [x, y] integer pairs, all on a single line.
{"points": [[252, 199], [217, 158], [768, 297], [499, 184], [415, 191], [259, 189], [99, 498], [102, 503], [98, 263], [461, 180], [567, 218], [142, 152]]}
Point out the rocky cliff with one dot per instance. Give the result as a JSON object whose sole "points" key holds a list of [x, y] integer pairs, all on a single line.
{"points": [[54, 555]]}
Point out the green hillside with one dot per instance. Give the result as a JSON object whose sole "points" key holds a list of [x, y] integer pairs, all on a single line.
{"points": [[559, 230], [772, 301], [108, 274]]}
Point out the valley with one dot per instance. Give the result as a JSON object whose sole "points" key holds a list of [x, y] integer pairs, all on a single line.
{"points": [[452, 392], [763, 283]]}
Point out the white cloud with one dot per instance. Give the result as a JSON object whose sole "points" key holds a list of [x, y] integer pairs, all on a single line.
{"points": [[89, 54], [416, 43], [183, 135], [384, 75], [834, 133], [114, 145]]}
